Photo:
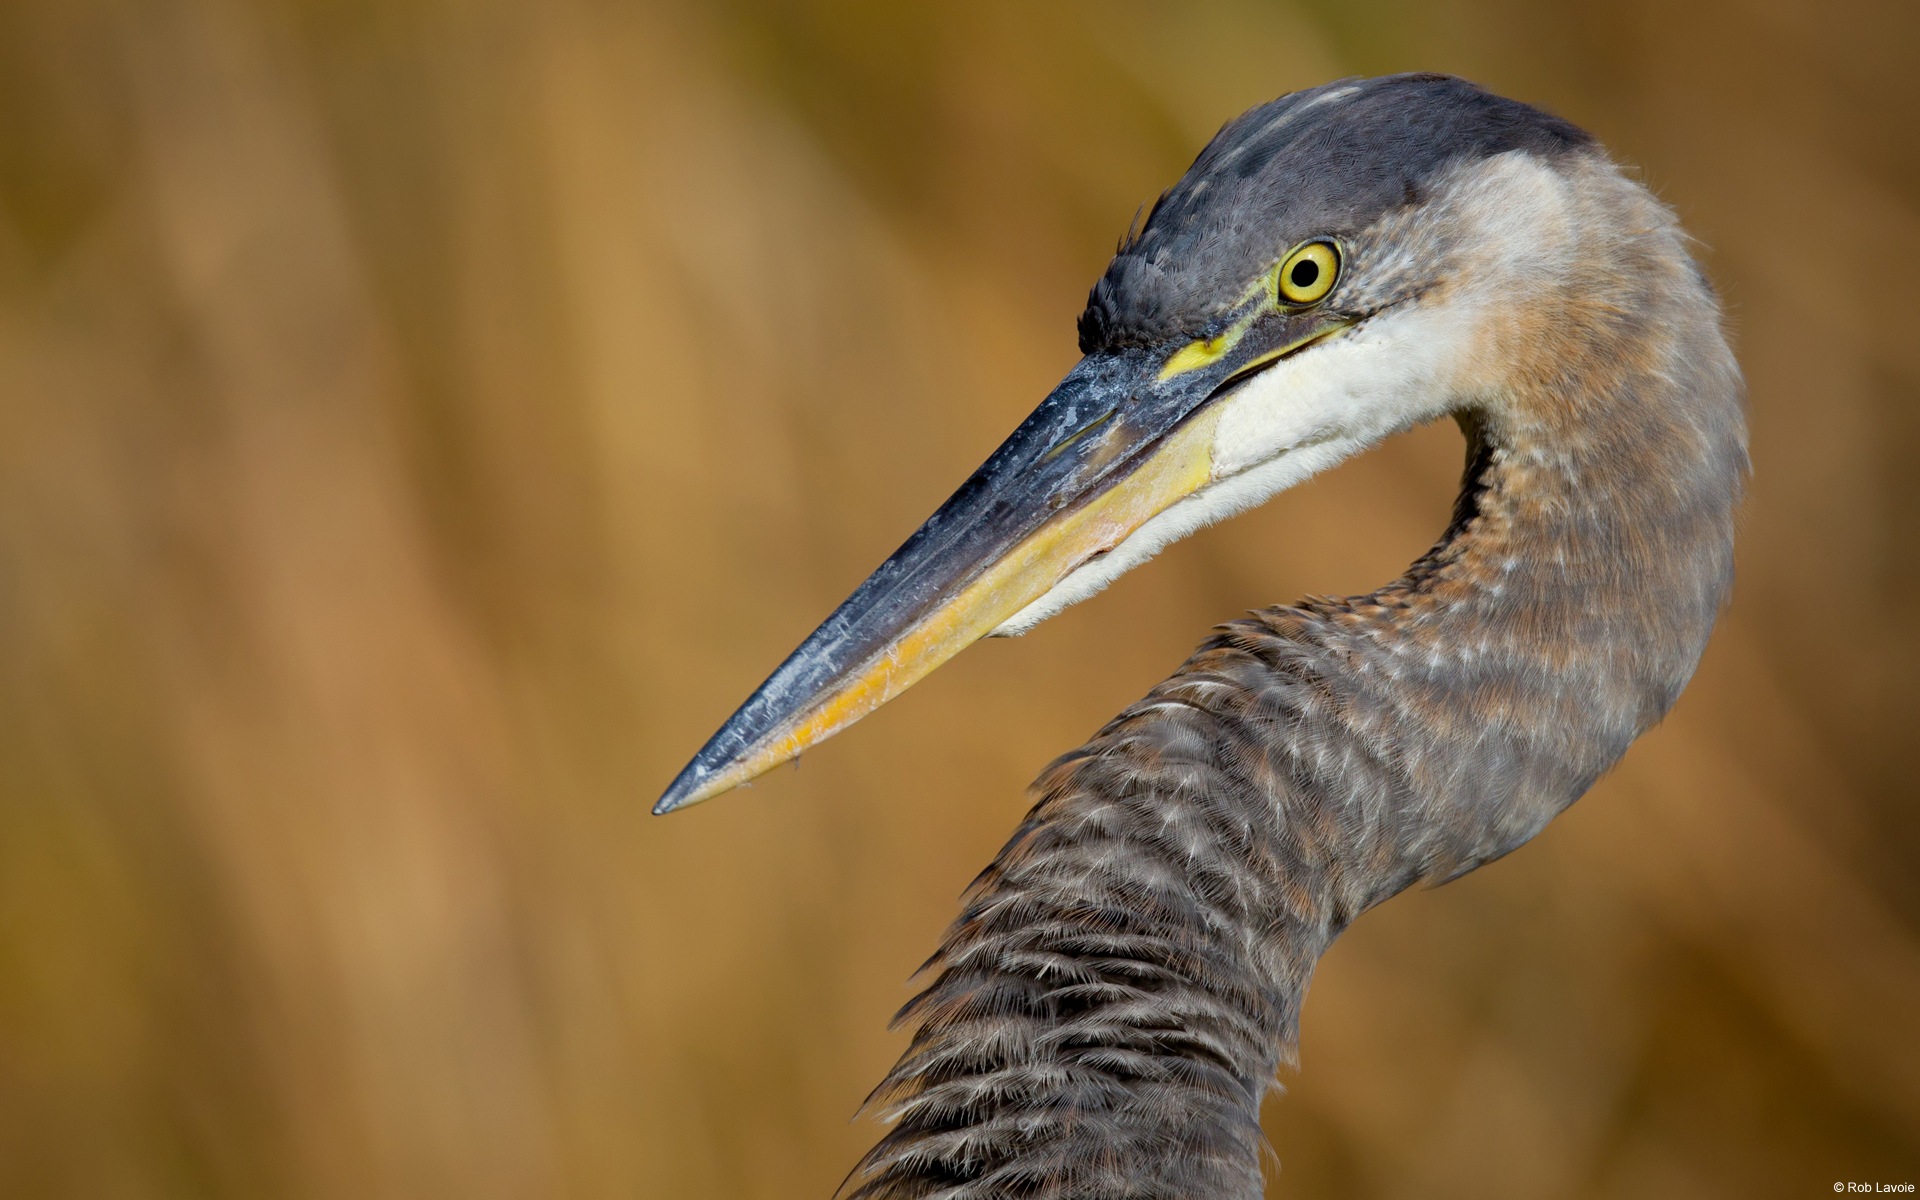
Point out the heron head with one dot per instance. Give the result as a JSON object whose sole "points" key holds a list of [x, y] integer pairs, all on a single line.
{"points": [[1333, 268]]}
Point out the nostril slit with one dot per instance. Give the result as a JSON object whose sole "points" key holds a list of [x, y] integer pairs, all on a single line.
{"points": [[1077, 435]]}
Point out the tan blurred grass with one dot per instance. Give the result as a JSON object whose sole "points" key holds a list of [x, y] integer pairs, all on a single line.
{"points": [[423, 422]]}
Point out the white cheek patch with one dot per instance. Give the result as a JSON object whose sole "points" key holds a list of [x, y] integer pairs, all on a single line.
{"points": [[1215, 502], [1293, 420], [1390, 374]]}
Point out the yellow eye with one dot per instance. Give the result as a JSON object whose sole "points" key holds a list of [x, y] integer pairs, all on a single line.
{"points": [[1308, 273]]}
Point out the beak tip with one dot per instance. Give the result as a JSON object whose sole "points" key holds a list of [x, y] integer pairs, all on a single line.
{"points": [[685, 790], [710, 774]]}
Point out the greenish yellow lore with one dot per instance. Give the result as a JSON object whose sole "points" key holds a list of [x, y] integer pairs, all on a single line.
{"points": [[1206, 351], [1279, 294]]}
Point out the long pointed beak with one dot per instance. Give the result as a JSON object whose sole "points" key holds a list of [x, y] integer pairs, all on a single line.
{"points": [[1116, 443]]}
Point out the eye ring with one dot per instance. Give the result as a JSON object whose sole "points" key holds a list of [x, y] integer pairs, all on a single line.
{"points": [[1307, 273]]}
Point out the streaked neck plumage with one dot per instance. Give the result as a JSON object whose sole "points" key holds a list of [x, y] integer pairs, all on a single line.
{"points": [[1127, 975]]}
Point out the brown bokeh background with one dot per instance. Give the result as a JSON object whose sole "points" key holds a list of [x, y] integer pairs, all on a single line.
{"points": [[421, 422]]}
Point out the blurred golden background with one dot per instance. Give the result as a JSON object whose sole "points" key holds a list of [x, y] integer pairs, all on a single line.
{"points": [[424, 421]]}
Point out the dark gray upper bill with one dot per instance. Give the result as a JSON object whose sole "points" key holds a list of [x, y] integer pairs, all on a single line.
{"points": [[1041, 469]]}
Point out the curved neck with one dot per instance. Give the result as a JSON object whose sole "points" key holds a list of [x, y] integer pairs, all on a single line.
{"points": [[1127, 975], [1591, 550]]}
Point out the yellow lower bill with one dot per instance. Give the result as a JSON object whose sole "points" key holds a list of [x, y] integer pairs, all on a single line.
{"points": [[1181, 465]]}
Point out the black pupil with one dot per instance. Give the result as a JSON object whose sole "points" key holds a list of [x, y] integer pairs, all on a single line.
{"points": [[1304, 273]]}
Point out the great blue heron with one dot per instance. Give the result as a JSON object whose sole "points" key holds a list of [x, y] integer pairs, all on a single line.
{"points": [[1336, 266]]}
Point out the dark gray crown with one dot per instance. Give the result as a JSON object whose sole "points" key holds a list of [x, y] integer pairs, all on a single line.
{"points": [[1329, 160]]}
